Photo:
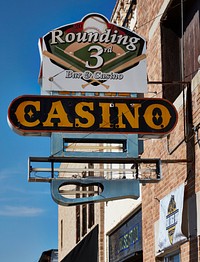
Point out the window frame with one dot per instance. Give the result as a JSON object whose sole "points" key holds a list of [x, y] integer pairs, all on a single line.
{"points": [[170, 257]]}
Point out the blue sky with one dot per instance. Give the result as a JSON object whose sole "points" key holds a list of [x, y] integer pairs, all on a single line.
{"points": [[28, 215]]}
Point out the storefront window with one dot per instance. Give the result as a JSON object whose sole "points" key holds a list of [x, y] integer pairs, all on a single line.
{"points": [[125, 243]]}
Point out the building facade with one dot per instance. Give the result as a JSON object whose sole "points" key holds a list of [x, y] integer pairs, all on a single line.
{"points": [[164, 223], [172, 31]]}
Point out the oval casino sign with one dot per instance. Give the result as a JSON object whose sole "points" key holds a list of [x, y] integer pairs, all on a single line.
{"points": [[43, 115]]}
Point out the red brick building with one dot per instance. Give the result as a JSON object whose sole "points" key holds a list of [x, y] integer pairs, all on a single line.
{"points": [[168, 210], [172, 32]]}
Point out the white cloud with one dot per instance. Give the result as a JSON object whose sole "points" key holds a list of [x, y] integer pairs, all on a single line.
{"points": [[20, 211]]}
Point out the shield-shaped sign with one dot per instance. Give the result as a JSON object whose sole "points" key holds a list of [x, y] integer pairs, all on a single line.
{"points": [[93, 55]]}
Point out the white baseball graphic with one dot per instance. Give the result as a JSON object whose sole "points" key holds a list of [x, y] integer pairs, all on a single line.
{"points": [[95, 24]]}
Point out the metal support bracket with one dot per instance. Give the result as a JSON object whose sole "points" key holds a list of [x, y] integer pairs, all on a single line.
{"points": [[139, 166], [107, 190], [76, 190]]}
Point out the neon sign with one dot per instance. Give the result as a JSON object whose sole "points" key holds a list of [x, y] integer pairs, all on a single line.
{"points": [[43, 115]]}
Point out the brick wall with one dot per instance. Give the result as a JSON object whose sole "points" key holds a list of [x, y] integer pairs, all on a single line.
{"points": [[173, 174], [176, 146], [173, 147], [68, 231], [67, 216]]}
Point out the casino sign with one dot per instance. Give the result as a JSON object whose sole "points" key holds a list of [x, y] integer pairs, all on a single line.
{"points": [[42, 115], [93, 55]]}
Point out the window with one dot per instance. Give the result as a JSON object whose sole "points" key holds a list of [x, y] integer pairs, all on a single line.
{"points": [[78, 219], [85, 216], [171, 50], [84, 209], [180, 37], [91, 206], [61, 233], [91, 214], [172, 258]]}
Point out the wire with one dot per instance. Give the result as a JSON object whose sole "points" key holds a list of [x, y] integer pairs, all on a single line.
{"points": [[155, 17]]}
